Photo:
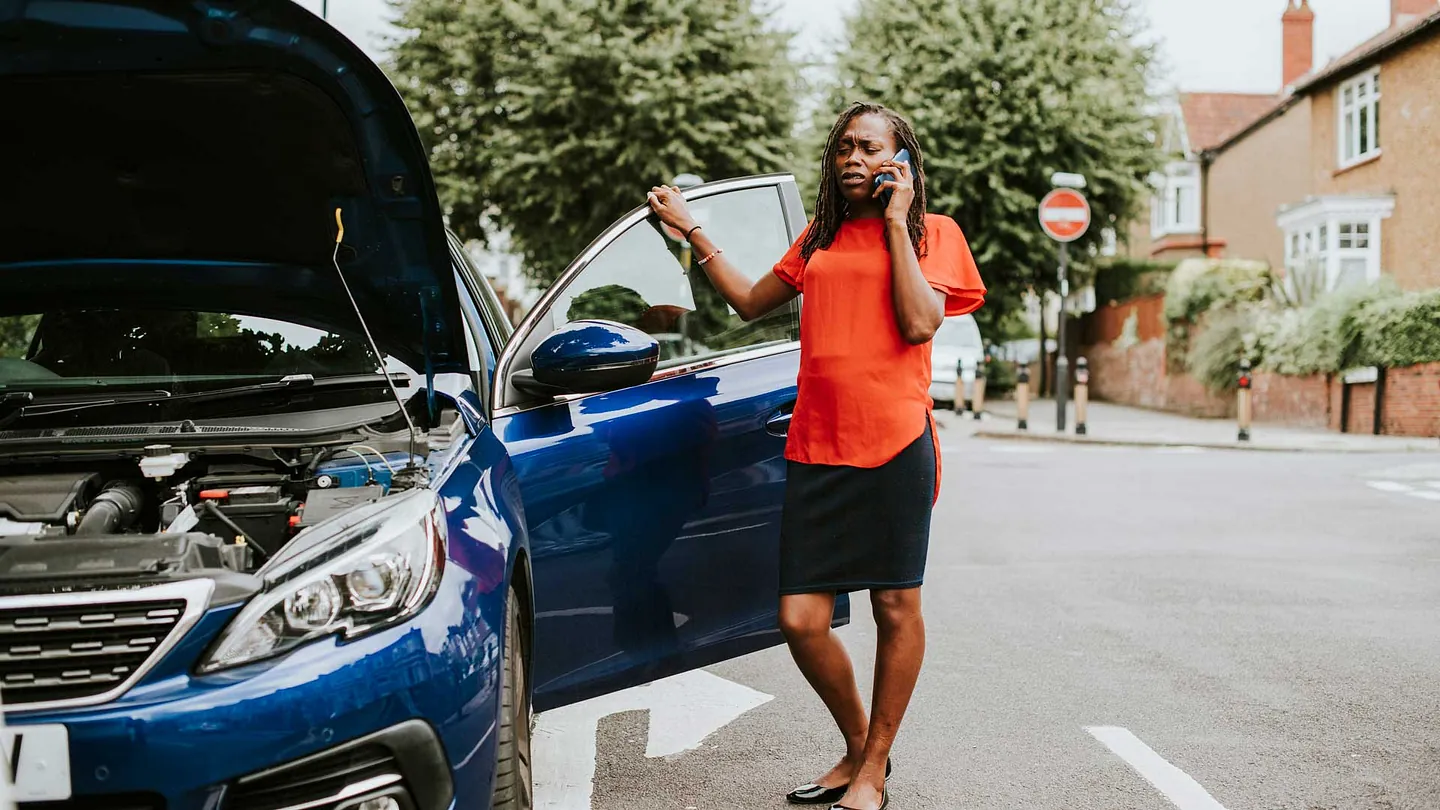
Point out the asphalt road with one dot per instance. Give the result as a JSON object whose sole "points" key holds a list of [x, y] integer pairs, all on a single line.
{"points": [[1266, 624]]}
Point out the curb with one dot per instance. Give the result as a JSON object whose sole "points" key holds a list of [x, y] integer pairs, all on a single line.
{"points": [[1013, 435]]}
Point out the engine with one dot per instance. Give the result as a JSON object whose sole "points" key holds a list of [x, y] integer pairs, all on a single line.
{"points": [[176, 513]]}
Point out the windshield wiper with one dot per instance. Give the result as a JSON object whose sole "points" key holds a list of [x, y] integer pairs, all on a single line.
{"points": [[14, 403], [292, 382]]}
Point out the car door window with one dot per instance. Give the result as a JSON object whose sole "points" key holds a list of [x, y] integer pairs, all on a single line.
{"points": [[497, 326], [650, 279]]}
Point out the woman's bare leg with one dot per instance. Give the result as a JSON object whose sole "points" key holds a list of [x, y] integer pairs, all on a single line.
{"points": [[898, 656], [805, 621]]}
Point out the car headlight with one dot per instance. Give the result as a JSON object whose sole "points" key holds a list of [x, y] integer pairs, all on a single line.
{"points": [[355, 574]]}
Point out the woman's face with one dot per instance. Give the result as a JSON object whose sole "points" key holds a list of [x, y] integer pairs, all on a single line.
{"points": [[865, 144]]}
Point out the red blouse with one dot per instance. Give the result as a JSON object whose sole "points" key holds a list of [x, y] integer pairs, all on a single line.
{"points": [[864, 392]]}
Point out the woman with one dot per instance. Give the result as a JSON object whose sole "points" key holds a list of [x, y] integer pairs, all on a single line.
{"points": [[863, 461]]}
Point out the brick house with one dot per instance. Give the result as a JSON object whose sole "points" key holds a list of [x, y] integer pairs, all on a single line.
{"points": [[1333, 179]]}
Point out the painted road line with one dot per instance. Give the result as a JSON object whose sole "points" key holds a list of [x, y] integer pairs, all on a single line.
{"points": [[1389, 486], [1182, 791], [684, 710], [1406, 489]]}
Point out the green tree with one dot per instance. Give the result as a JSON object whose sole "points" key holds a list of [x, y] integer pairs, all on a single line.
{"points": [[16, 331], [551, 118], [448, 66], [1003, 93]]}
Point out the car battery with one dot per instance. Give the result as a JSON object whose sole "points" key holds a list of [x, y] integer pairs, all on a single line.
{"points": [[256, 503]]}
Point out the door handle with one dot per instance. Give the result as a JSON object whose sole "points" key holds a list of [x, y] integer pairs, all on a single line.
{"points": [[779, 424]]}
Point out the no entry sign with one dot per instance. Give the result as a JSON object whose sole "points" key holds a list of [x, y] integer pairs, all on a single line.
{"points": [[1064, 215]]}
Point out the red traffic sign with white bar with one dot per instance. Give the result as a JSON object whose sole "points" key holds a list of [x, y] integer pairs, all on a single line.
{"points": [[1064, 215]]}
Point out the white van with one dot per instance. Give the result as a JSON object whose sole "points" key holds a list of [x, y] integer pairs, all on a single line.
{"points": [[957, 348]]}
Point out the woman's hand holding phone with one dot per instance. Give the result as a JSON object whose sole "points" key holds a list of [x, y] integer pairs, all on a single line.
{"points": [[897, 183]]}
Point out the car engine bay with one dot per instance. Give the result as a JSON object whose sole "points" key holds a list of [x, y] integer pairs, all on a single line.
{"points": [[138, 515]]}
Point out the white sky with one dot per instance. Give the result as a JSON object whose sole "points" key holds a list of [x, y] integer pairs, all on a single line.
{"points": [[1216, 45]]}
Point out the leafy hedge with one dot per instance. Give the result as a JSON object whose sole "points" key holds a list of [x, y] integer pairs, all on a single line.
{"points": [[1123, 279], [1215, 358], [1375, 325], [1199, 287], [1221, 311], [1401, 331]]}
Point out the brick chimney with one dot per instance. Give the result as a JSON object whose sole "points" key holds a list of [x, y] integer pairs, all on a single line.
{"points": [[1299, 24], [1404, 12]]}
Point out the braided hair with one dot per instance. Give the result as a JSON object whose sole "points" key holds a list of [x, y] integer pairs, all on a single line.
{"points": [[831, 207]]}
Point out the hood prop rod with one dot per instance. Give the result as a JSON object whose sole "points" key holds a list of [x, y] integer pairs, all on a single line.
{"points": [[410, 467]]}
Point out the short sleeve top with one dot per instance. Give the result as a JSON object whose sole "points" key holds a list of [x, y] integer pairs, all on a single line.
{"points": [[864, 392]]}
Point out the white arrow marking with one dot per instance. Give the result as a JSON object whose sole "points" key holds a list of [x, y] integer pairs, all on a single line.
{"points": [[1182, 791], [684, 710]]}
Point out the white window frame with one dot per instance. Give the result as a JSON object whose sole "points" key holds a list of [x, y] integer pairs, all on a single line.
{"points": [[1351, 114], [1312, 232], [1179, 178]]}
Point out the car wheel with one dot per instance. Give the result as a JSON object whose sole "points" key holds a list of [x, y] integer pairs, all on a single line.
{"points": [[514, 789]]}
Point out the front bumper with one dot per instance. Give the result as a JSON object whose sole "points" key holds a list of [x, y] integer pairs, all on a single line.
{"points": [[424, 694]]}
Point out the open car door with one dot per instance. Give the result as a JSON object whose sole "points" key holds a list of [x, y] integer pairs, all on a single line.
{"points": [[654, 510]]}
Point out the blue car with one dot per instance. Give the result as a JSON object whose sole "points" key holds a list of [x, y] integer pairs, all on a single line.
{"points": [[290, 515]]}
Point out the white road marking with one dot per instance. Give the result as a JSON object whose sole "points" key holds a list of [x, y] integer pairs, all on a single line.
{"points": [[1389, 486], [1182, 791], [684, 710], [1406, 489]]}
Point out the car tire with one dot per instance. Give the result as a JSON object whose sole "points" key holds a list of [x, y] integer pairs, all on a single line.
{"points": [[514, 786]]}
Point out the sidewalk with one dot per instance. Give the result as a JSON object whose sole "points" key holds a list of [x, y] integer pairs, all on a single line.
{"points": [[1120, 425]]}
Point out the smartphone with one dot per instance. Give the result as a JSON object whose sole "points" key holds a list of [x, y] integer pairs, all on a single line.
{"points": [[903, 156]]}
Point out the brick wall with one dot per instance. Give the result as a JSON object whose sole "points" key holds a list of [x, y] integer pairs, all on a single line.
{"points": [[1297, 401], [1107, 323], [1136, 376], [1412, 401], [1411, 407]]}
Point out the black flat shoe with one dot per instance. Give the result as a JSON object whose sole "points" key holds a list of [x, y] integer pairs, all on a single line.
{"points": [[814, 794]]}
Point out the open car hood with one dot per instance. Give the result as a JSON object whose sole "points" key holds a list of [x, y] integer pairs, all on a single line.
{"points": [[163, 150]]}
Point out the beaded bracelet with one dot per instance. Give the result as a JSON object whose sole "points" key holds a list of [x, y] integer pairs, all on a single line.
{"points": [[717, 252]]}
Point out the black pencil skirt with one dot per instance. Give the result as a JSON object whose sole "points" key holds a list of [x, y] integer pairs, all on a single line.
{"points": [[853, 529]]}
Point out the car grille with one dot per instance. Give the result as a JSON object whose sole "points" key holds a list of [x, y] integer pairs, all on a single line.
{"points": [[320, 782], [132, 801], [72, 652]]}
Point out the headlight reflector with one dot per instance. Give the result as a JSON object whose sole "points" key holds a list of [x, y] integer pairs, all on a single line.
{"points": [[360, 572]]}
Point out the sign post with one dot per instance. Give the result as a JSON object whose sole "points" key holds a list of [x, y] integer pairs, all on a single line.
{"points": [[1064, 216]]}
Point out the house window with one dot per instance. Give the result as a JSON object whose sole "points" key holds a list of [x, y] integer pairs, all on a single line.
{"points": [[1354, 235], [1360, 118], [1314, 262], [1175, 208]]}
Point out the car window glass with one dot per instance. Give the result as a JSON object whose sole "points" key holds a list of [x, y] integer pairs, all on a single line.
{"points": [[651, 280], [498, 325], [478, 327], [94, 346]]}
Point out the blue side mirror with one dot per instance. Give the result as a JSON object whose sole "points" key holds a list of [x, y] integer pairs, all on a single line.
{"points": [[594, 355]]}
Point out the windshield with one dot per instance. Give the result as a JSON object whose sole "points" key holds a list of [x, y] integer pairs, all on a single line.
{"points": [[959, 332], [181, 350]]}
